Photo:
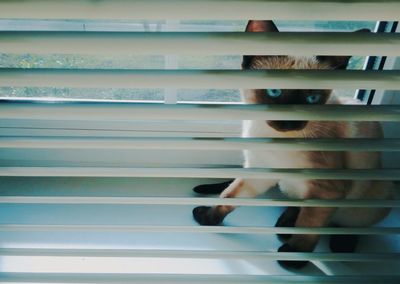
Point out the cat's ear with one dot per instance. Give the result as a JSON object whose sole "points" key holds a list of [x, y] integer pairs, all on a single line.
{"points": [[335, 62], [339, 62], [363, 31], [261, 26], [256, 27]]}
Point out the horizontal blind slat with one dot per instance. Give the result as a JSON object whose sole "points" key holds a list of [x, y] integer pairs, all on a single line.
{"points": [[371, 10], [360, 203], [189, 278], [222, 144], [198, 229], [200, 43], [349, 174], [90, 132], [201, 79], [135, 111], [207, 254]]}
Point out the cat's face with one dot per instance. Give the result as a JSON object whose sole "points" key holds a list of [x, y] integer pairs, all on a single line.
{"points": [[287, 96]]}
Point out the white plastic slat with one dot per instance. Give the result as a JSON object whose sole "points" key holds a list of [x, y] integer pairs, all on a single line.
{"points": [[197, 229], [221, 144], [196, 201], [202, 79], [202, 254], [91, 132], [349, 174], [127, 112], [202, 9], [188, 278], [200, 43]]}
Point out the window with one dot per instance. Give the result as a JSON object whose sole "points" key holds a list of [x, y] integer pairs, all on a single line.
{"points": [[150, 61], [102, 192]]}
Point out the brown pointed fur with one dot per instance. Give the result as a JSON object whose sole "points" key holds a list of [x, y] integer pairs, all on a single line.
{"points": [[309, 189]]}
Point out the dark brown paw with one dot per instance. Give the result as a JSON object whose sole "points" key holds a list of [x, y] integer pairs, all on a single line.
{"points": [[204, 216], [214, 188], [287, 219], [343, 243], [290, 264]]}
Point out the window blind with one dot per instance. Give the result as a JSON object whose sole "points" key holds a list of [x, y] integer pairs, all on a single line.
{"points": [[73, 173], [203, 9]]}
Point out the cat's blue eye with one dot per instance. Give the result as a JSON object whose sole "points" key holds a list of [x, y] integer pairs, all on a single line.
{"points": [[274, 93], [313, 99]]}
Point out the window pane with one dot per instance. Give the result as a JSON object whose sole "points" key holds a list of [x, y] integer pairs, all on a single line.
{"points": [[70, 61]]}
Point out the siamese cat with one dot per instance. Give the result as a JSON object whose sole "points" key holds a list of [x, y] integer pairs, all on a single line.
{"points": [[303, 189]]}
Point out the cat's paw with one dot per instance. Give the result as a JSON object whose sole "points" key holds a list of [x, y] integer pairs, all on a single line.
{"points": [[214, 188], [290, 264], [204, 216], [287, 219], [343, 243]]}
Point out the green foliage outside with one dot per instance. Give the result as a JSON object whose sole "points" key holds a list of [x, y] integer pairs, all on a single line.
{"points": [[156, 62]]}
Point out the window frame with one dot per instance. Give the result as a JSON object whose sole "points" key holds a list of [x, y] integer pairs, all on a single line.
{"points": [[377, 63]]}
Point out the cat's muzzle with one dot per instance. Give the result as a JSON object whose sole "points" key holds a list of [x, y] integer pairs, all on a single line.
{"points": [[283, 125]]}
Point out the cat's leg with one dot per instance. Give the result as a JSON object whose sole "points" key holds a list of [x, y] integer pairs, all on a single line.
{"points": [[343, 243], [360, 217], [287, 219], [308, 217], [205, 215], [313, 217], [212, 188]]}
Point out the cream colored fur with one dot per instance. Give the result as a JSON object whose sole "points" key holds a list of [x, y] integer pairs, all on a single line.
{"points": [[318, 129]]}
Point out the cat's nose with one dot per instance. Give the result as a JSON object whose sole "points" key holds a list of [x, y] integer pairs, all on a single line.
{"points": [[281, 125]]}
